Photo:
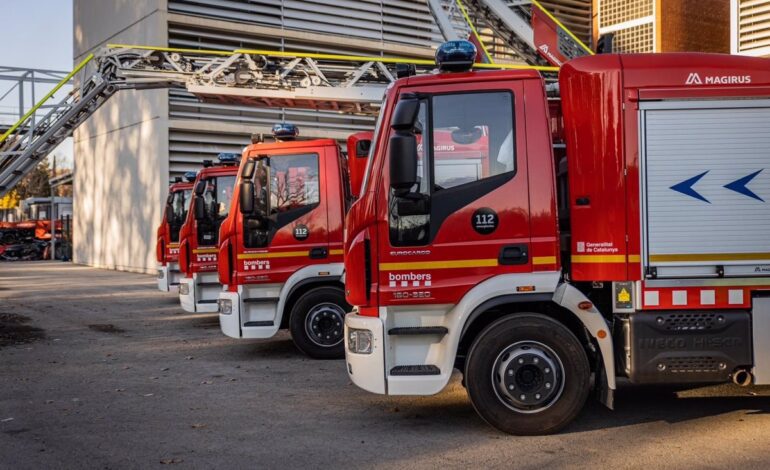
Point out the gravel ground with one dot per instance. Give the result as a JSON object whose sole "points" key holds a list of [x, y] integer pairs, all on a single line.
{"points": [[99, 369]]}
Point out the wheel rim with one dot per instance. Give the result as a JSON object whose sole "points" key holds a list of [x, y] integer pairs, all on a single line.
{"points": [[324, 324], [528, 377]]}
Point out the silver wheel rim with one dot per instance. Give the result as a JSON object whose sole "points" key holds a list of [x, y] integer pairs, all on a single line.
{"points": [[324, 324], [528, 377]]}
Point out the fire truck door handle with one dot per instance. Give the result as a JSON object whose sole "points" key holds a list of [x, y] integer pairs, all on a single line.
{"points": [[319, 253], [514, 254], [583, 201]]}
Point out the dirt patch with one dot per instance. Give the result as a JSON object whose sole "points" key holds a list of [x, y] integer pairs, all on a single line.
{"points": [[106, 328], [14, 330]]}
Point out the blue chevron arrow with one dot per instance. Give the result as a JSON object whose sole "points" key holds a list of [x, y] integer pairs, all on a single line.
{"points": [[685, 187], [739, 186]]}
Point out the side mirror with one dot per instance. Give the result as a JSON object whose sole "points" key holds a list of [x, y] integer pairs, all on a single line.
{"points": [[200, 208], [403, 162], [200, 187], [246, 197], [362, 148], [169, 215], [405, 114]]}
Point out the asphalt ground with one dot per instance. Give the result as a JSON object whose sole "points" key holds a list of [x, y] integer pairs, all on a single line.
{"points": [[98, 369]]}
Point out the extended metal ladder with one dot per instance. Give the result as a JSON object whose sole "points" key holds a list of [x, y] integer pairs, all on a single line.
{"points": [[513, 21]]}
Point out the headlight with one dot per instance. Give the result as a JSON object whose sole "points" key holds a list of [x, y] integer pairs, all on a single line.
{"points": [[359, 341], [184, 288], [160, 274], [225, 306]]}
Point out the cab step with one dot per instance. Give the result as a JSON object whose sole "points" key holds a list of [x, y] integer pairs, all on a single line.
{"points": [[208, 284], [208, 301], [418, 330], [259, 323], [422, 369]]}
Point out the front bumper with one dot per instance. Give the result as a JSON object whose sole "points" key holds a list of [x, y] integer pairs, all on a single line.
{"points": [[366, 370], [231, 323], [168, 277], [197, 299]]}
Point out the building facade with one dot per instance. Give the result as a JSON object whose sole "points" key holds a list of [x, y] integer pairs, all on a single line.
{"points": [[127, 151], [664, 25], [750, 27]]}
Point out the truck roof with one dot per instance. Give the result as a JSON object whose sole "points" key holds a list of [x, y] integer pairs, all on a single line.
{"points": [[475, 75], [291, 144], [673, 70]]}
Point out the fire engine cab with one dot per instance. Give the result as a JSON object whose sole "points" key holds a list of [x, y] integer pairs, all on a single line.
{"points": [[199, 236], [281, 251], [167, 245], [643, 255]]}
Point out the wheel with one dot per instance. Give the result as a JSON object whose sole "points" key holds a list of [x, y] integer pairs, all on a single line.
{"points": [[527, 374], [317, 323]]}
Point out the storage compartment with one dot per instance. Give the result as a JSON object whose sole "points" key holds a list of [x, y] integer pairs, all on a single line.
{"points": [[706, 184], [685, 346]]}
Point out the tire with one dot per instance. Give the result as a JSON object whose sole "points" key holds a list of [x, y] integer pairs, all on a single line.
{"points": [[317, 323], [526, 352]]}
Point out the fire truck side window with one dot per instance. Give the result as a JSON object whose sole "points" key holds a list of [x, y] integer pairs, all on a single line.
{"points": [[216, 200], [179, 202], [465, 149], [293, 182], [473, 137], [294, 191]]}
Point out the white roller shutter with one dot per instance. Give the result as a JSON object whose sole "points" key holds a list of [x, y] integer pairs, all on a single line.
{"points": [[706, 178]]}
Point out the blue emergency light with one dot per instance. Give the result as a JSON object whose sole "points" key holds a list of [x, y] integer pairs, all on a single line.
{"points": [[228, 157], [455, 56], [190, 176], [285, 130]]}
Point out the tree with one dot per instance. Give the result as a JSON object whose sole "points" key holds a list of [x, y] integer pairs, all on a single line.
{"points": [[35, 184]]}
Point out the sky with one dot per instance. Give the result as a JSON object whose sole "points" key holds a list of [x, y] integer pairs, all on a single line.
{"points": [[35, 34]]}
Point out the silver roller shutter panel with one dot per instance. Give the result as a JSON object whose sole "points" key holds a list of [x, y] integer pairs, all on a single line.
{"points": [[704, 209]]}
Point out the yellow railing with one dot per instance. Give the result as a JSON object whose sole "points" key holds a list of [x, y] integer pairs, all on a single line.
{"points": [[46, 97]]}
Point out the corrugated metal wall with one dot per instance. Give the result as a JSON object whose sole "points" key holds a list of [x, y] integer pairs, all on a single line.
{"points": [[388, 21], [753, 27]]}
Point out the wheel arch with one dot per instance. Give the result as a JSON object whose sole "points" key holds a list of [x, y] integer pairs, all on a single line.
{"points": [[301, 288], [561, 305]]}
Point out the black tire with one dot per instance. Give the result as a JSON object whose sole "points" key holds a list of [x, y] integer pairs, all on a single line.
{"points": [[322, 336], [515, 351]]}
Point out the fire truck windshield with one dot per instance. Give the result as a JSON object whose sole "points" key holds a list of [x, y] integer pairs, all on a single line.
{"points": [[375, 138], [216, 202], [178, 206]]}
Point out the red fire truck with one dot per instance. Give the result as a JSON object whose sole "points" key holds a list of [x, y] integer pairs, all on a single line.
{"points": [[643, 255], [281, 245], [167, 245], [199, 236]]}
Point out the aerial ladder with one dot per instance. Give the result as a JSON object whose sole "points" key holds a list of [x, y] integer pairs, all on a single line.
{"points": [[342, 83]]}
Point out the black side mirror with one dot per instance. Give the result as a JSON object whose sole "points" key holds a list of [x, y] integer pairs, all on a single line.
{"points": [[200, 207], [362, 148], [246, 197], [200, 187], [403, 162], [405, 114]]}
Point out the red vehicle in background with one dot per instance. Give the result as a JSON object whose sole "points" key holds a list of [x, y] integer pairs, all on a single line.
{"points": [[642, 255], [280, 257], [199, 235], [167, 245]]}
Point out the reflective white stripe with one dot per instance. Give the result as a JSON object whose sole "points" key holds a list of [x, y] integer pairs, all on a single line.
{"points": [[651, 298], [735, 296], [708, 297]]}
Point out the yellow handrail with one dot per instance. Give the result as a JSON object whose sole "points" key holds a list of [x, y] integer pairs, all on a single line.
{"points": [[559, 23], [473, 30], [46, 97]]}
